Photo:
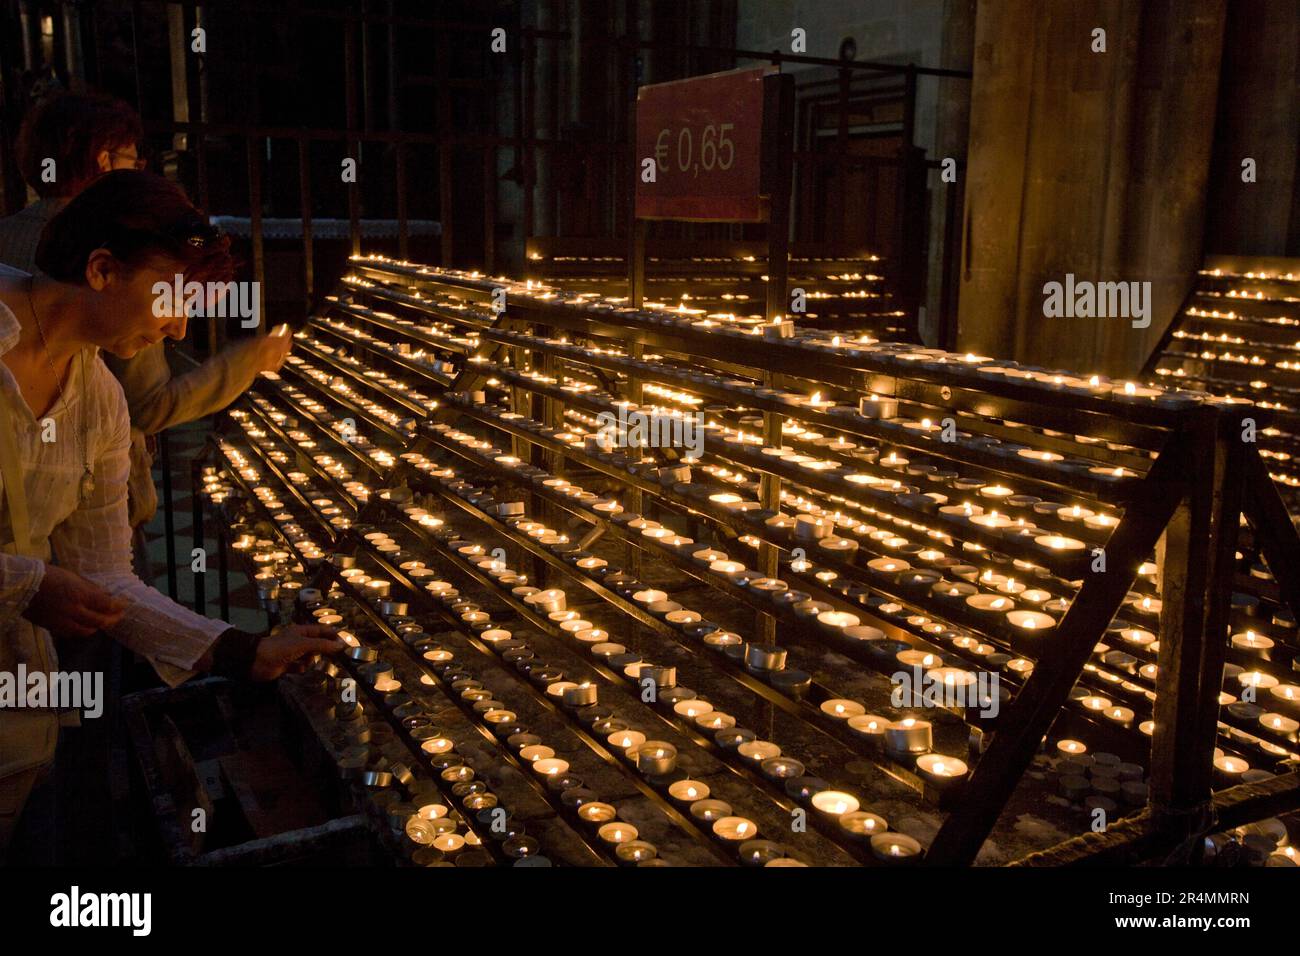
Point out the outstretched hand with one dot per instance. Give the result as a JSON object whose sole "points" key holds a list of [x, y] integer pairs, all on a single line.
{"points": [[292, 648]]}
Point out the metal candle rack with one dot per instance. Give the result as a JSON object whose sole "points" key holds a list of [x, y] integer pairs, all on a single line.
{"points": [[429, 369], [842, 288]]}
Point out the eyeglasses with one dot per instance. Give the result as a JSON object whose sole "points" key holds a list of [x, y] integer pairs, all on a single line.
{"points": [[138, 162], [195, 232]]}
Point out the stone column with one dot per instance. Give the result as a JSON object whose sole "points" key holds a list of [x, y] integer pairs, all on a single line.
{"points": [[1083, 162]]}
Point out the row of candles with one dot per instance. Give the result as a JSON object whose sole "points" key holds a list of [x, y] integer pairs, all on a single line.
{"points": [[440, 836], [654, 758], [619, 836], [1116, 713], [893, 358], [1119, 712], [884, 410], [657, 758], [908, 496], [685, 706], [434, 833], [835, 621], [760, 658], [905, 732]]}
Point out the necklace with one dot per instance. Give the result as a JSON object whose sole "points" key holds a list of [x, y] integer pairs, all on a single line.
{"points": [[88, 476]]}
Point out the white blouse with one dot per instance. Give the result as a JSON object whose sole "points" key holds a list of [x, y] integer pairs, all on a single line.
{"points": [[91, 538]]}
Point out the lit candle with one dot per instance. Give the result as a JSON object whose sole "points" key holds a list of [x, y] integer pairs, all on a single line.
{"points": [[895, 848], [842, 709], [991, 603], [835, 803], [550, 766], [688, 791], [909, 736], [615, 833], [1031, 620], [597, 812], [1279, 724], [1251, 642], [940, 770], [1230, 768], [535, 752], [1057, 542], [626, 740], [837, 620], [656, 758], [735, 829]]}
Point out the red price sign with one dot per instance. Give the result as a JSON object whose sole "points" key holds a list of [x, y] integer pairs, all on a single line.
{"points": [[699, 148]]}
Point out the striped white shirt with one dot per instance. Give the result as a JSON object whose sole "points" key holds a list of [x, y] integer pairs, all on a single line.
{"points": [[92, 538]]}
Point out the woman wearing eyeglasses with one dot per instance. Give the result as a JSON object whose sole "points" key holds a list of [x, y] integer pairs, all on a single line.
{"points": [[65, 439]]}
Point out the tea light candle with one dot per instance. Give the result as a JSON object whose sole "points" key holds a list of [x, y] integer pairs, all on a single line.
{"points": [[861, 825], [834, 803], [1230, 768], [550, 767], [1120, 715], [756, 751], [991, 603], [626, 740], [710, 811], [692, 708], [1057, 542], [656, 758], [688, 791], [1279, 724], [1070, 748], [1251, 642], [615, 832], [597, 812], [869, 726], [992, 520], [915, 658], [888, 565], [728, 569], [1286, 694], [842, 709], [735, 829], [580, 695], [897, 848], [909, 736], [1031, 620], [449, 843], [940, 770], [715, 720], [837, 620]]}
